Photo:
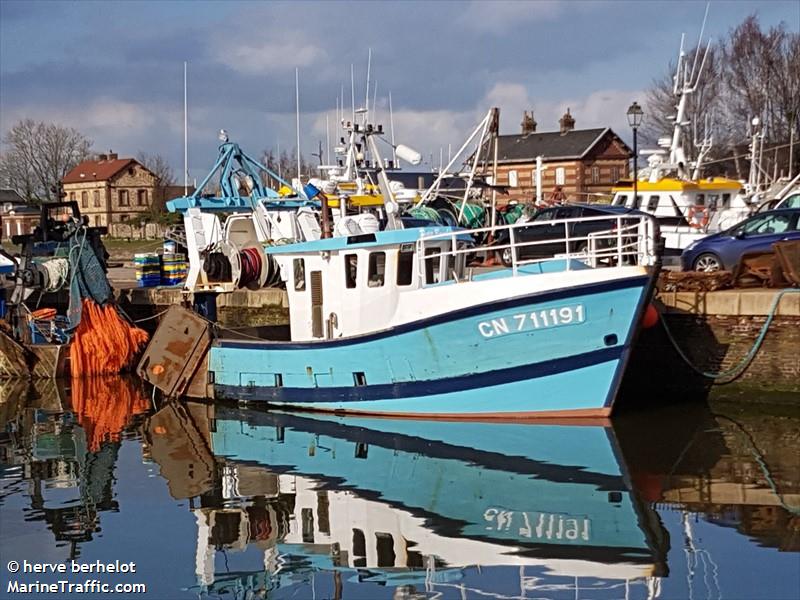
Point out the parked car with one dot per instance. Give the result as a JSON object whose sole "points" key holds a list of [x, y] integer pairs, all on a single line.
{"points": [[555, 233], [723, 250]]}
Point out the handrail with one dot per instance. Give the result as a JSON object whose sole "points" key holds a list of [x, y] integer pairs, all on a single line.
{"points": [[631, 239]]}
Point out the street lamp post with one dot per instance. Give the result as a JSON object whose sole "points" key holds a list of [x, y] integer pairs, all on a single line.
{"points": [[635, 115]]}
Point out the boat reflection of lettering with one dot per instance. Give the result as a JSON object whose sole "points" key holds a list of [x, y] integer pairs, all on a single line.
{"points": [[406, 502]]}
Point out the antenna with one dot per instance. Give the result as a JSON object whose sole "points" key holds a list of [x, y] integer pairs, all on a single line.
{"points": [[677, 77], [369, 64], [353, 91], [391, 127], [374, 102], [297, 98], [328, 137], [699, 41], [185, 134]]}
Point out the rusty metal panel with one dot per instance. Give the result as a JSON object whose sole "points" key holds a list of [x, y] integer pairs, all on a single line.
{"points": [[788, 254], [178, 347], [50, 360], [13, 359], [181, 450], [199, 386]]}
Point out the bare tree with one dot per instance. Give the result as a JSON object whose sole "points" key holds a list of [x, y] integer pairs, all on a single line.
{"points": [[39, 155], [159, 166], [762, 79], [752, 73]]}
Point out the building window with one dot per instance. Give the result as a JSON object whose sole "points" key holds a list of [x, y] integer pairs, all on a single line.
{"points": [[614, 174], [123, 218], [72, 196], [141, 197], [96, 198], [350, 270], [124, 200], [560, 176], [512, 179], [377, 269], [84, 199], [595, 175]]}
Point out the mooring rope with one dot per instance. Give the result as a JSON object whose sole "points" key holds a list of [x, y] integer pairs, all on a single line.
{"points": [[734, 372]]}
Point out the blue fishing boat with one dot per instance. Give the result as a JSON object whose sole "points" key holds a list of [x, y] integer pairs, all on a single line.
{"points": [[396, 322]]}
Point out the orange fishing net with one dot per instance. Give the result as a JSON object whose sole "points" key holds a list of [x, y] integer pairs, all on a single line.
{"points": [[104, 343], [105, 406]]}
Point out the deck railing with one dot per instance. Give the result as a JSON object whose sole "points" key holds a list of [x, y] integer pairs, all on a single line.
{"points": [[629, 240]]}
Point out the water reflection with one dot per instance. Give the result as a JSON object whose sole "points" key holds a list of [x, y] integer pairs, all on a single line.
{"points": [[63, 444], [302, 505], [404, 502]]}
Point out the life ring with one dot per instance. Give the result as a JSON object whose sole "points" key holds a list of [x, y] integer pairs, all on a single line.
{"points": [[698, 217]]}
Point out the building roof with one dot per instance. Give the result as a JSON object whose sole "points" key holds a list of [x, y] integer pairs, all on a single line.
{"points": [[550, 145], [97, 170], [11, 196]]}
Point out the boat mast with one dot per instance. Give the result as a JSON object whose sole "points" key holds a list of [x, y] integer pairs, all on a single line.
{"points": [[297, 100], [185, 134], [391, 127]]}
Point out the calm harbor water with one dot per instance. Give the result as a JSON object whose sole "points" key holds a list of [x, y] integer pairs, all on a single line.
{"points": [[229, 502]]}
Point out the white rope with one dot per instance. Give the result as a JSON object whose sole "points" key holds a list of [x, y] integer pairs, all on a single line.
{"points": [[57, 273]]}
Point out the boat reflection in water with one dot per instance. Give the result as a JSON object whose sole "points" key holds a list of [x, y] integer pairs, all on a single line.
{"points": [[65, 442], [407, 503]]}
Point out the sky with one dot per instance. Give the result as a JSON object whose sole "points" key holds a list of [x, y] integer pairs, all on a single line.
{"points": [[114, 70]]}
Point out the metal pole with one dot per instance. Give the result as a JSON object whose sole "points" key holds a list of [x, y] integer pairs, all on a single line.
{"points": [[635, 171], [185, 136], [297, 100]]}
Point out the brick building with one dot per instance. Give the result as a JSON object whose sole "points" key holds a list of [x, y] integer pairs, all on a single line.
{"points": [[112, 189], [585, 163]]}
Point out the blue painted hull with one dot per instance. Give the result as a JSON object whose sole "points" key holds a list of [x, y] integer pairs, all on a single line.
{"points": [[450, 364], [554, 491]]}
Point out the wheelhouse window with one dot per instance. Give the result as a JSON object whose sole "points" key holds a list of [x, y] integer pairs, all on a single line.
{"points": [[432, 262], [652, 203], [299, 268], [376, 274], [513, 180], [560, 175], [405, 266], [614, 174], [595, 175], [350, 270]]}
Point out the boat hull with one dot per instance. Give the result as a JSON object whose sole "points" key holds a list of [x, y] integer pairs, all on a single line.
{"points": [[559, 353]]}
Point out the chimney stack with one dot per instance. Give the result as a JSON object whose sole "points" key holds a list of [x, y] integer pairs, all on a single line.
{"points": [[567, 123], [102, 157], [528, 124], [112, 155]]}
